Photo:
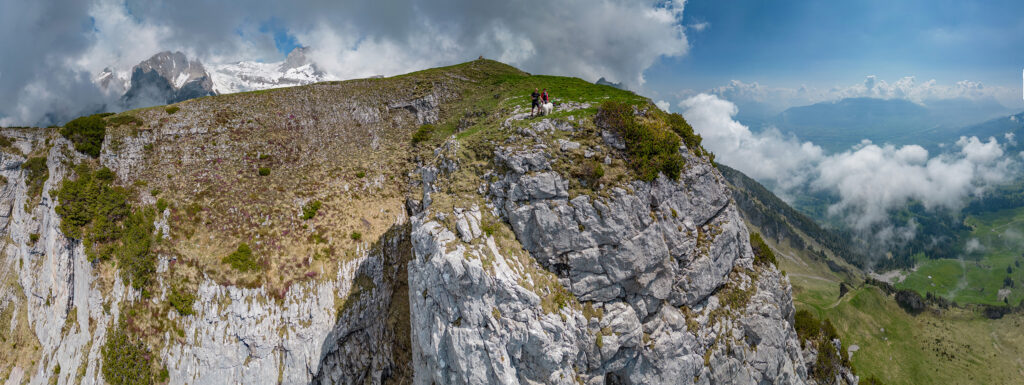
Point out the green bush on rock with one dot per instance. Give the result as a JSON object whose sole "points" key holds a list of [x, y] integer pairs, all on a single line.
{"points": [[310, 209], [763, 255], [423, 133], [36, 173], [651, 148], [86, 133], [181, 301], [126, 359], [95, 211], [242, 259]]}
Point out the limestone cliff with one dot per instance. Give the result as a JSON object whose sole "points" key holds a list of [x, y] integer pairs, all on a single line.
{"points": [[419, 229]]}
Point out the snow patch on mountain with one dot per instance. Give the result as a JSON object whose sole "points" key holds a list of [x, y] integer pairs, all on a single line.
{"points": [[251, 76], [295, 70]]}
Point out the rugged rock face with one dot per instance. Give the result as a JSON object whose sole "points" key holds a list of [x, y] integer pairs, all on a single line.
{"points": [[64, 312], [172, 77], [479, 258], [167, 78], [656, 267]]}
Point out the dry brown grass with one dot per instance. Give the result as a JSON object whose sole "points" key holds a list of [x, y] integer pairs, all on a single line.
{"points": [[19, 347], [338, 143]]}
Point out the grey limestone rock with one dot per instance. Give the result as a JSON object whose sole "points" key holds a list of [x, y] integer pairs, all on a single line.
{"points": [[651, 258]]}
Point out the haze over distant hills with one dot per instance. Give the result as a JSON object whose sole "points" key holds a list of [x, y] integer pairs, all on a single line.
{"points": [[838, 125]]}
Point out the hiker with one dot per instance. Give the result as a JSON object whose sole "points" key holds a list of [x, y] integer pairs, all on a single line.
{"points": [[544, 96], [535, 96]]}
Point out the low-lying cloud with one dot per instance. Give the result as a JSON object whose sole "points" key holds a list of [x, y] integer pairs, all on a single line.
{"points": [[71, 41], [906, 88], [869, 179]]}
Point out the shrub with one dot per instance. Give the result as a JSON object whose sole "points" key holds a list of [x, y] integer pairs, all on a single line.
{"points": [[135, 261], [356, 236], [242, 259], [104, 174], [155, 192], [264, 171], [651, 149], [423, 133], [86, 133], [99, 214], [33, 238], [126, 359], [310, 209], [181, 301], [806, 325], [910, 301], [126, 119], [685, 131], [489, 226], [172, 109], [161, 205], [763, 254], [995, 312], [590, 172], [5, 141], [36, 173], [827, 364], [822, 333], [361, 174]]}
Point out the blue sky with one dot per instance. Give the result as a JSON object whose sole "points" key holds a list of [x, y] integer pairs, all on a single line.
{"points": [[284, 41], [838, 43]]}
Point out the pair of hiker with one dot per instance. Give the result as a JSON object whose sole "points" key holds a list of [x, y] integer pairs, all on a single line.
{"points": [[538, 100]]}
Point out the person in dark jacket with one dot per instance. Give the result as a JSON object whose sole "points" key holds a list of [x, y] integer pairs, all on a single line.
{"points": [[535, 96]]}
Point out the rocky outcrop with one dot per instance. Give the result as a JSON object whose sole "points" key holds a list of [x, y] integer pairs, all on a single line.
{"points": [[503, 268], [306, 337], [661, 274], [167, 78], [65, 311], [236, 334], [369, 342]]}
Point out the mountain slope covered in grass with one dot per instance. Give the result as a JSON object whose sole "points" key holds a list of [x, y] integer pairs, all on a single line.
{"points": [[942, 344]]}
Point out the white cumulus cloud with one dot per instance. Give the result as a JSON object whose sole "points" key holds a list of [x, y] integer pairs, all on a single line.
{"points": [[869, 179], [71, 41]]}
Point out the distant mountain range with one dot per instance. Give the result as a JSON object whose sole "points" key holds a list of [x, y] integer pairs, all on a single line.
{"points": [[171, 77], [838, 125]]}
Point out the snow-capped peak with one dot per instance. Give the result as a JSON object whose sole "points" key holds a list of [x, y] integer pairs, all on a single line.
{"points": [[295, 70]]}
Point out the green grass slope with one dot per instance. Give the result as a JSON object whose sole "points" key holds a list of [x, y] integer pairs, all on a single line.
{"points": [[989, 272], [948, 346]]}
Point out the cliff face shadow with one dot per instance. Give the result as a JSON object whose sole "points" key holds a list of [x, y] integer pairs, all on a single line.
{"points": [[370, 341]]}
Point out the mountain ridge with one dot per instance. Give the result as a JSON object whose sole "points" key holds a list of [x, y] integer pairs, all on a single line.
{"points": [[368, 210]]}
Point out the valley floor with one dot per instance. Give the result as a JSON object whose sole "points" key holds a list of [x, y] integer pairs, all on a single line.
{"points": [[953, 346], [994, 254]]}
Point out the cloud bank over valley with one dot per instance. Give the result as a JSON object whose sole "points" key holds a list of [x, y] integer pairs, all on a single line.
{"points": [[869, 179]]}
